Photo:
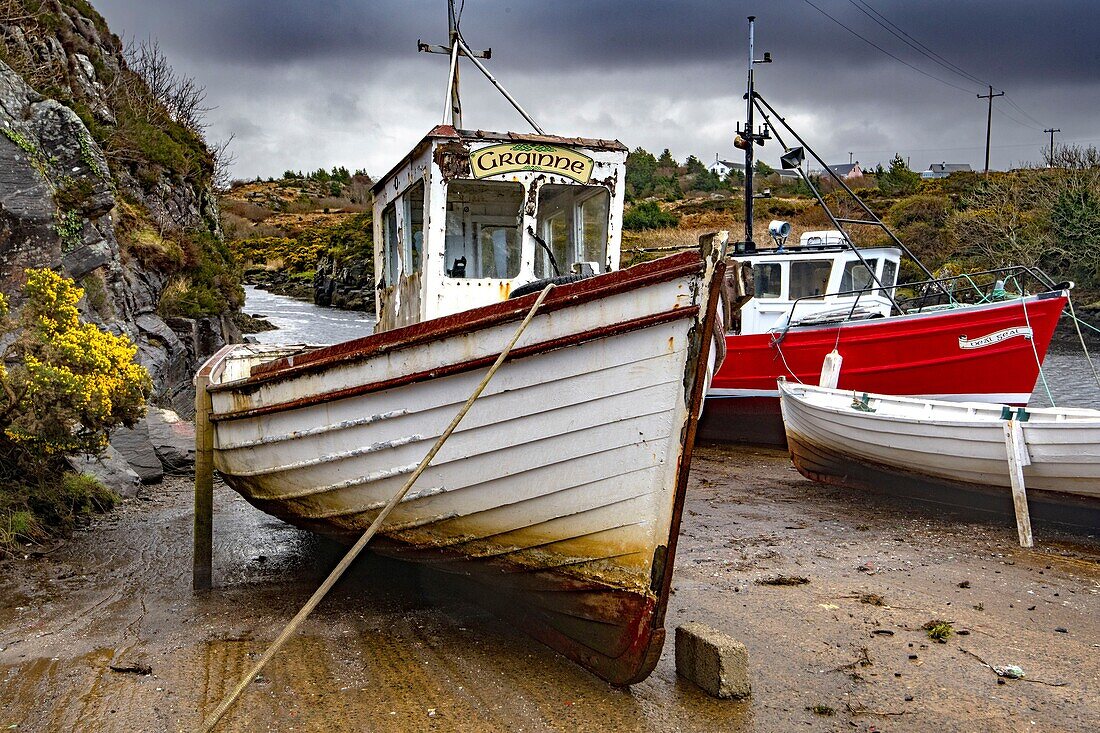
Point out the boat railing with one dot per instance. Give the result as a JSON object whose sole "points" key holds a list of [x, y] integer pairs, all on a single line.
{"points": [[969, 288]]}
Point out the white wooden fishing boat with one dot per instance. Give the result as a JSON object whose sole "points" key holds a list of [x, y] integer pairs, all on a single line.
{"points": [[857, 439], [558, 498], [562, 490]]}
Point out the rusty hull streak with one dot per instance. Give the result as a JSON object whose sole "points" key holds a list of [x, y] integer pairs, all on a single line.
{"points": [[460, 367], [605, 628], [564, 296], [664, 558]]}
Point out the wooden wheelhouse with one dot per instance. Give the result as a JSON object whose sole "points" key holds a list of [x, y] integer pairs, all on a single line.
{"points": [[467, 217]]}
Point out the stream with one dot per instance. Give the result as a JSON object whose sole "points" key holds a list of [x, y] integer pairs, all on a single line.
{"points": [[299, 321]]}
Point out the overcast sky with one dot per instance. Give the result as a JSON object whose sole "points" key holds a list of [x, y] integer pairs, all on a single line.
{"points": [[339, 82]]}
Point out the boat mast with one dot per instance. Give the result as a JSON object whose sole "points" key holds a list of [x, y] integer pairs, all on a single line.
{"points": [[457, 47], [452, 37], [745, 139], [749, 244]]}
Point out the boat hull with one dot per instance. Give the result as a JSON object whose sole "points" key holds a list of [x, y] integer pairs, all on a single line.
{"points": [[944, 452], [560, 493], [975, 353]]}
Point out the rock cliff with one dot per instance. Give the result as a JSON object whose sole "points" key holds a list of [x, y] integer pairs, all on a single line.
{"points": [[103, 181]]}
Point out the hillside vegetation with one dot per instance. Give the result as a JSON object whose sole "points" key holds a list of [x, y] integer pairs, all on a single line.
{"points": [[148, 120], [279, 230], [1049, 217], [1046, 217]]}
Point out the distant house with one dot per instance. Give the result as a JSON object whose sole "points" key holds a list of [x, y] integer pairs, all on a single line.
{"points": [[943, 170], [787, 174], [847, 170], [724, 167]]}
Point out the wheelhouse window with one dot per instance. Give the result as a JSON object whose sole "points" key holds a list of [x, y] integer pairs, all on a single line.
{"points": [[571, 229], [810, 278], [403, 234], [414, 228], [389, 237], [889, 276], [483, 238], [857, 276], [767, 279]]}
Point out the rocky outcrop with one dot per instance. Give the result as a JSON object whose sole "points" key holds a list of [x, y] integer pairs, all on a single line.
{"points": [[111, 469], [341, 285], [60, 199]]}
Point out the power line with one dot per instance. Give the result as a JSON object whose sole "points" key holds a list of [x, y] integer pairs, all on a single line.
{"points": [[913, 43], [1001, 112], [943, 61], [1021, 110], [883, 50], [886, 151]]}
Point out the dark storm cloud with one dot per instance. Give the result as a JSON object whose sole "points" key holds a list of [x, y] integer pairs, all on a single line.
{"points": [[337, 81], [1026, 40]]}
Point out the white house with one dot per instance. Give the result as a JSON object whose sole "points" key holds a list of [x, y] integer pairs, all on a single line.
{"points": [[944, 169], [724, 167]]}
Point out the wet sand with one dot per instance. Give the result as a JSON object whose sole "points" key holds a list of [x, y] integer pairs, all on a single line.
{"points": [[392, 649]]}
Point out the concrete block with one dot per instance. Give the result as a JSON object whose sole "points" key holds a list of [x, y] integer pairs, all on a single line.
{"points": [[716, 662]]}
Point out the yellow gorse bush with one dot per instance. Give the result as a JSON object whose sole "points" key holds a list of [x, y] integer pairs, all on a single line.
{"points": [[66, 382]]}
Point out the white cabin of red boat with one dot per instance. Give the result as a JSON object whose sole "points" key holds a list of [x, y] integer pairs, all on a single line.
{"points": [[806, 281], [458, 222]]}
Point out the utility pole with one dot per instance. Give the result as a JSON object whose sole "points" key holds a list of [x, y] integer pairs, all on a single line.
{"points": [[989, 122], [1050, 161]]}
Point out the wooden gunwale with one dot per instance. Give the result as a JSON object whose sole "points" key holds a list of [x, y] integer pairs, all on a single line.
{"points": [[564, 296], [463, 366]]}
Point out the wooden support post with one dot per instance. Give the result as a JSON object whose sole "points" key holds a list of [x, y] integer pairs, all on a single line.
{"points": [[1018, 458], [204, 486]]}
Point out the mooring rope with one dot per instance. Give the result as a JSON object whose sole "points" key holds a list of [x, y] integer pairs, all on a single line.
{"points": [[1035, 351], [1077, 324], [357, 548]]}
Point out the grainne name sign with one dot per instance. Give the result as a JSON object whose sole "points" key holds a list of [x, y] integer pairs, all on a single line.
{"points": [[510, 157]]}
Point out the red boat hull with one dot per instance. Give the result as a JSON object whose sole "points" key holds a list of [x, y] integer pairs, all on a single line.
{"points": [[984, 353]]}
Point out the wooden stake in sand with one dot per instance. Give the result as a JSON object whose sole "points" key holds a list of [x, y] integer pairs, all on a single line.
{"points": [[204, 486], [345, 563], [1018, 458]]}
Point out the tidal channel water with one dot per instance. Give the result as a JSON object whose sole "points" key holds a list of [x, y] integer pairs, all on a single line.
{"points": [[301, 322], [1068, 376]]}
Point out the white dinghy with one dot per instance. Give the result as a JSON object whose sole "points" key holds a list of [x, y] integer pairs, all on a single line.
{"points": [[879, 441]]}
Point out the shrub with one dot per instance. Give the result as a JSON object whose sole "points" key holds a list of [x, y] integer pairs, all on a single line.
{"points": [[152, 250], [898, 179], [64, 382], [924, 208], [648, 215]]}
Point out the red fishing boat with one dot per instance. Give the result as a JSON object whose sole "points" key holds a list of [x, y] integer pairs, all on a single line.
{"points": [[964, 337], [987, 351]]}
